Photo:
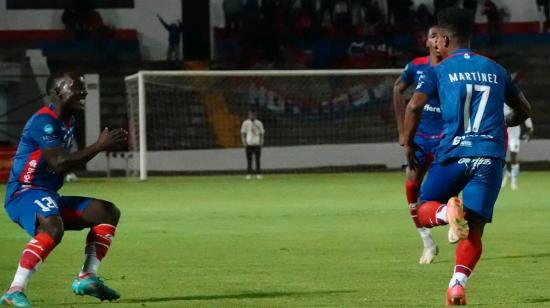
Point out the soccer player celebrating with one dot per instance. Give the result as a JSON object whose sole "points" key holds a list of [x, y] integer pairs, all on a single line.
{"points": [[514, 134], [427, 137], [472, 90], [32, 199]]}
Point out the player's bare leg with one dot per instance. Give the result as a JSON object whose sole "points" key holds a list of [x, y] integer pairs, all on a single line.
{"points": [[468, 252], [49, 232], [412, 187], [102, 218]]}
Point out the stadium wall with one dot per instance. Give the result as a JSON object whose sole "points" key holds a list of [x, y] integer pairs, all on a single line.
{"points": [[379, 155], [153, 38]]}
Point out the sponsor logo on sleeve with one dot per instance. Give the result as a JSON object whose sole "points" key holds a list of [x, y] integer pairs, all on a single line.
{"points": [[48, 129]]}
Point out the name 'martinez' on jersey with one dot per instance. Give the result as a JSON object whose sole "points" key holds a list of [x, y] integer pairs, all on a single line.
{"points": [[472, 91]]}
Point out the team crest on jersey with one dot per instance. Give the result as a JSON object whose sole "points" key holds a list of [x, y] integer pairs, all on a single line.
{"points": [[48, 129]]}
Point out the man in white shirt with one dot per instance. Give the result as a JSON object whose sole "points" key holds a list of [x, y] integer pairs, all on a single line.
{"points": [[514, 135], [252, 136]]}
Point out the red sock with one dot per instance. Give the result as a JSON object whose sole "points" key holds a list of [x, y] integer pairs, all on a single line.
{"points": [[101, 236], [37, 250], [468, 252], [427, 214], [411, 190], [33, 255]]}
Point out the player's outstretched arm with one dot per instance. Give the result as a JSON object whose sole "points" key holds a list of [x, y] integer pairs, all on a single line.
{"points": [[60, 160], [413, 112], [399, 88], [162, 21], [521, 109]]}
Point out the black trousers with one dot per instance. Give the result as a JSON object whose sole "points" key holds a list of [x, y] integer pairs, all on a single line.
{"points": [[256, 151]]}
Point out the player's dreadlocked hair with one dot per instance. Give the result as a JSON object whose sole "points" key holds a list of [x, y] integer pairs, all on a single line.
{"points": [[458, 21]]}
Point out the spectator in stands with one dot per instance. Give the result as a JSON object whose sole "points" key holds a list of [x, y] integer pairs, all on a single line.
{"points": [[359, 12], [493, 21], [443, 4], [375, 15], [90, 19], [402, 14], [471, 5], [544, 5], [252, 136], [251, 31], [424, 17], [233, 10], [71, 19], [341, 17], [174, 37]]}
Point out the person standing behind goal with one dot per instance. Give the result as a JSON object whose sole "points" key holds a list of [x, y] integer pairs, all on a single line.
{"points": [[252, 136]]}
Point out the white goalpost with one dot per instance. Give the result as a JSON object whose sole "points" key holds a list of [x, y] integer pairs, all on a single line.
{"points": [[189, 121]]}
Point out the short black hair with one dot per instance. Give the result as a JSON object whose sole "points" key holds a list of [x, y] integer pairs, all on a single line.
{"points": [[50, 83], [459, 21]]}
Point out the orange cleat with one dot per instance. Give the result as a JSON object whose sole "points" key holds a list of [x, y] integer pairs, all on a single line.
{"points": [[458, 226], [456, 296]]}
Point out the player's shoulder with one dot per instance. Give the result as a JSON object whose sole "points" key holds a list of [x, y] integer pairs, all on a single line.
{"points": [[44, 118], [425, 60], [47, 112], [417, 63]]}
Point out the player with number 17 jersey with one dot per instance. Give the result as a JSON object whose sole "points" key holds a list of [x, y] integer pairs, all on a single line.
{"points": [[473, 89]]}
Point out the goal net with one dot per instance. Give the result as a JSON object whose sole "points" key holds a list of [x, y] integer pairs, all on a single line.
{"points": [[190, 121]]}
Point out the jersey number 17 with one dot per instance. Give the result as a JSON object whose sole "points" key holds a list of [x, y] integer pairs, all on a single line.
{"points": [[485, 90]]}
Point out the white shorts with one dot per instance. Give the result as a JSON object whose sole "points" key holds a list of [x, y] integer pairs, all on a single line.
{"points": [[514, 138]]}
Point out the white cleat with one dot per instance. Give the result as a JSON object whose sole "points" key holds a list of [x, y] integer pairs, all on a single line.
{"points": [[259, 177], [428, 254], [504, 180], [514, 184], [248, 177]]}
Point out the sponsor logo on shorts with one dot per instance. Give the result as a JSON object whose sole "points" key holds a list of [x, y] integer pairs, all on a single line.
{"points": [[475, 162]]}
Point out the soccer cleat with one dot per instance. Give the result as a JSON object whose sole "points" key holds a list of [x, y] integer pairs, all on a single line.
{"points": [[17, 299], [428, 254], [456, 295], [248, 177], [514, 184], [458, 226], [504, 180], [259, 176], [95, 287]]}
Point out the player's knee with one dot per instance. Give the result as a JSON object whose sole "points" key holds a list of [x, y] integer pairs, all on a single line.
{"points": [[55, 230], [476, 223], [112, 212]]}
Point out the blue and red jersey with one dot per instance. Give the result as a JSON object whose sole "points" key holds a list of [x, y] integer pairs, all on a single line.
{"points": [[472, 90], [44, 130], [431, 122]]}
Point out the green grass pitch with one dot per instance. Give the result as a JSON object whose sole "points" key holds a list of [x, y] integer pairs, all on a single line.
{"points": [[316, 240]]}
